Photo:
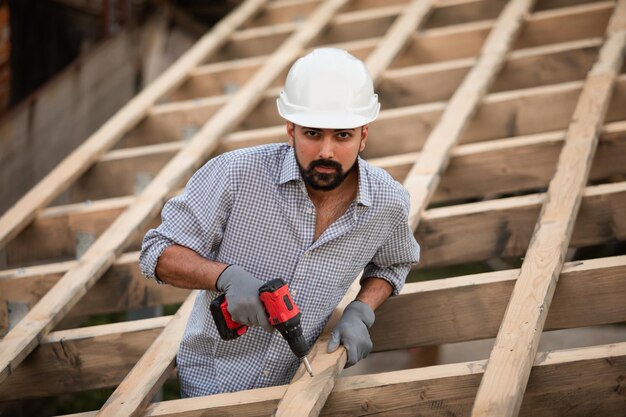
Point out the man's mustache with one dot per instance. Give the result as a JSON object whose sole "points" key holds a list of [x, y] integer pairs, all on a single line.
{"points": [[325, 163]]}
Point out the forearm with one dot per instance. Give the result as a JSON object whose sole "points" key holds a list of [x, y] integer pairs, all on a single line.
{"points": [[374, 292], [184, 268]]}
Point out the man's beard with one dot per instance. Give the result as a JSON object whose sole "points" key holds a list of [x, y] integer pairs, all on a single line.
{"points": [[324, 181]]}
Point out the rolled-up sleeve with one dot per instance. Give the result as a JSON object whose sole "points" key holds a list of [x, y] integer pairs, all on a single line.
{"points": [[195, 219], [393, 260]]}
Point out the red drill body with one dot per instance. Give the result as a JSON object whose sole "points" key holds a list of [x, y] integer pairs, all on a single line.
{"points": [[282, 312]]}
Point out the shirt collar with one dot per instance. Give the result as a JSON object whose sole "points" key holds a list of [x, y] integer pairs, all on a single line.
{"points": [[291, 172]]}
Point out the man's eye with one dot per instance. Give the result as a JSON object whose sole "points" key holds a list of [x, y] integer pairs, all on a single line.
{"points": [[344, 135], [311, 133]]}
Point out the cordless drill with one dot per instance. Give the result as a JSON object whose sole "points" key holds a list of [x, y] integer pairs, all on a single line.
{"points": [[282, 312]]}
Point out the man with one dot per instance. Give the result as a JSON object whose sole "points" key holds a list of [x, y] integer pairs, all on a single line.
{"points": [[310, 212]]}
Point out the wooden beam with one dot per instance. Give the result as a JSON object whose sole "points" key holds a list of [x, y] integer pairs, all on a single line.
{"points": [[471, 307], [306, 394], [434, 312], [512, 165], [503, 227], [502, 388], [343, 28], [590, 383], [150, 372], [20, 215], [123, 285], [541, 28], [526, 68], [82, 359]]}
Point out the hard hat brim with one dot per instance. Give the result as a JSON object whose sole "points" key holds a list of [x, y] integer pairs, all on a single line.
{"points": [[328, 120]]}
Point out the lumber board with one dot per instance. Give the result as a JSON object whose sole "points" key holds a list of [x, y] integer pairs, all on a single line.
{"points": [[504, 227], [18, 216], [344, 27], [471, 307], [541, 28], [122, 288], [82, 359], [99, 257], [306, 394], [502, 387], [574, 382], [434, 312], [526, 68], [156, 364]]}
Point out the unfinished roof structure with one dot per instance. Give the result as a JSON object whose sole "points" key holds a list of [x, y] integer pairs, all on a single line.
{"points": [[506, 121]]}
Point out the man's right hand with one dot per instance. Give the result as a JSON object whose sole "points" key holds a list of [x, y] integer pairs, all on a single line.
{"points": [[242, 294]]}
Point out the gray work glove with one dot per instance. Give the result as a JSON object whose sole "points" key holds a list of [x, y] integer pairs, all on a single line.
{"points": [[242, 295], [352, 332]]}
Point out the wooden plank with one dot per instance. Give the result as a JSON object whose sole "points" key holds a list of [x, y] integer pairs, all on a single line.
{"points": [[434, 312], [541, 28], [526, 68], [471, 307], [81, 359], [589, 383], [306, 394], [155, 365], [124, 400], [502, 388], [17, 217], [503, 228], [123, 287]]}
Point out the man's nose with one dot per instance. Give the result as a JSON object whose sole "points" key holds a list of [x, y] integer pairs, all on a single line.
{"points": [[327, 150]]}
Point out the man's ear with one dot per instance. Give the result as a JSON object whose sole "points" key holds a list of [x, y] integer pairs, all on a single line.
{"points": [[364, 132], [290, 132]]}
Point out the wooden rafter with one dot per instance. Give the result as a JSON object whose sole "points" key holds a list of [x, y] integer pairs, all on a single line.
{"points": [[590, 382], [502, 388]]}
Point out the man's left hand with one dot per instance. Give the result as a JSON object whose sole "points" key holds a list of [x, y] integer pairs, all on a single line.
{"points": [[352, 332]]}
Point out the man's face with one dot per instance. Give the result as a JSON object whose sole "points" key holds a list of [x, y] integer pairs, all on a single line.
{"points": [[326, 156]]}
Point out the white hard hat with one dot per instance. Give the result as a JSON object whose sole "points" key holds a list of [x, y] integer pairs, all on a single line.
{"points": [[328, 89]]}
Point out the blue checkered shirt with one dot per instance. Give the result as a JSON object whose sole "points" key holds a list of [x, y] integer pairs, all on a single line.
{"points": [[250, 207]]}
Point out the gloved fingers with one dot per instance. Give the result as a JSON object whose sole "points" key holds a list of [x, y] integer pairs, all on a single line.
{"points": [[261, 319], [353, 354], [333, 343]]}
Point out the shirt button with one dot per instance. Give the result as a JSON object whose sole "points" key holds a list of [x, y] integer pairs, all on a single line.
{"points": [[309, 211], [266, 372]]}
